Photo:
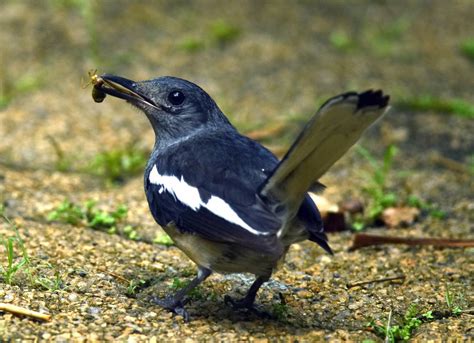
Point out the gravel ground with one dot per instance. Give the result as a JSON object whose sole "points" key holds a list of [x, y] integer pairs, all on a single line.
{"points": [[280, 62]]}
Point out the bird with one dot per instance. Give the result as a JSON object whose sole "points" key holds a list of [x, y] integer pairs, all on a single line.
{"points": [[225, 200]]}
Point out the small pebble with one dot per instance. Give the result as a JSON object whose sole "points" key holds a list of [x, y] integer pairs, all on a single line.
{"points": [[325, 259], [304, 294], [354, 306], [93, 310], [8, 298]]}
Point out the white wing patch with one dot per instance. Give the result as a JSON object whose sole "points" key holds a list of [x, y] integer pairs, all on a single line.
{"points": [[181, 191], [189, 196]]}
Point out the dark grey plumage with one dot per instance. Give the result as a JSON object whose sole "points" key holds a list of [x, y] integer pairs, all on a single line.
{"points": [[227, 201]]}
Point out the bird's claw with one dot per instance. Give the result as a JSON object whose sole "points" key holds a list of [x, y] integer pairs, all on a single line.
{"points": [[173, 305], [247, 304]]}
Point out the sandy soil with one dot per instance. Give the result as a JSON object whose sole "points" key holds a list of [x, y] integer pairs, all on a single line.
{"points": [[274, 63]]}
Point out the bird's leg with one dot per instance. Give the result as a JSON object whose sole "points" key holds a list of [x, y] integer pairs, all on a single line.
{"points": [[176, 302], [248, 301]]}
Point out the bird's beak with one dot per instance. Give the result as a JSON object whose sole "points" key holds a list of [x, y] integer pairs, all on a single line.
{"points": [[122, 88]]}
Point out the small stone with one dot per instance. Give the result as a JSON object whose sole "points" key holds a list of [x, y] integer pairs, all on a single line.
{"points": [[354, 306], [72, 297], [158, 266], [304, 294], [93, 310], [296, 247], [400, 216], [82, 286], [325, 259], [8, 298]]}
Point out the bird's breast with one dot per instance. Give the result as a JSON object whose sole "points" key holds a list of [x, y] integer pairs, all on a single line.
{"points": [[222, 257]]}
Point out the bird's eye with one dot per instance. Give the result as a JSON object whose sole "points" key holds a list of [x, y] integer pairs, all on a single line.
{"points": [[176, 98]]}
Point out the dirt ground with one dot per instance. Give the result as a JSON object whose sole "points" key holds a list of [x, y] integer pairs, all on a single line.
{"points": [[267, 64]]}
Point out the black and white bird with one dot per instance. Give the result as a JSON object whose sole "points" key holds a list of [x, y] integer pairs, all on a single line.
{"points": [[226, 201]]}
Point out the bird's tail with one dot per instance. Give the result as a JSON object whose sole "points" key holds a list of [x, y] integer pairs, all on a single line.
{"points": [[336, 126]]}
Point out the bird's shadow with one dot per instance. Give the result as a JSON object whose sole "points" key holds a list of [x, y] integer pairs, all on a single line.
{"points": [[211, 308]]}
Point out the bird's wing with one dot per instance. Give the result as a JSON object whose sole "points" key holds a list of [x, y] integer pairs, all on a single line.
{"points": [[336, 126], [213, 196]]}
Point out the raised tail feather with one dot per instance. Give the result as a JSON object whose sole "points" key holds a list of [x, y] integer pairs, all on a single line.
{"points": [[337, 125]]}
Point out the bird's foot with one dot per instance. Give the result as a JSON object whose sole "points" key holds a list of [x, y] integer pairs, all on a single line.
{"points": [[173, 305], [248, 304]]}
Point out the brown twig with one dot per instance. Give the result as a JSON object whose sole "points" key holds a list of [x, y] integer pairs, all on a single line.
{"points": [[21, 311], [450, 163], [115, 275], [468, 311], [362, 240], [361, 283]]}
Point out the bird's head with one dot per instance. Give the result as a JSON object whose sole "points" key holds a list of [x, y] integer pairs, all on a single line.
{"points": [[175, 107]]}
